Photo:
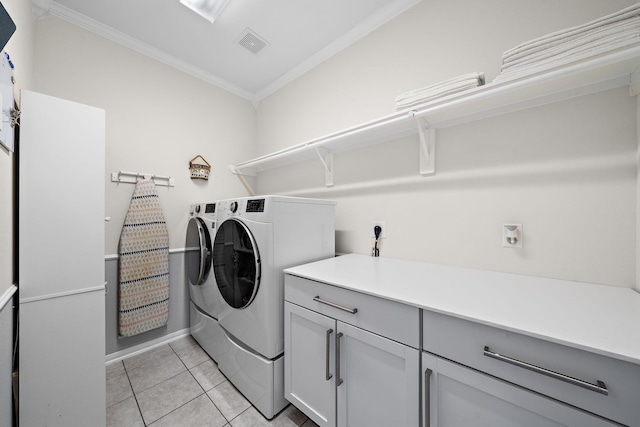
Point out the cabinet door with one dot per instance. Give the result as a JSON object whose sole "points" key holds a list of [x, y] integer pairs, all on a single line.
{"points": [[61, 197], [376, 380], [457, 396], [309, 363]]}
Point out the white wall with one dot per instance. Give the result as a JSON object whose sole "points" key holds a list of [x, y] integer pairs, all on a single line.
{"points": [[158, 119], [567, 171]]}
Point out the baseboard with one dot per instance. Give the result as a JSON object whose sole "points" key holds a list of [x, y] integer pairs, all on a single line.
{"points": [[141, 348]]}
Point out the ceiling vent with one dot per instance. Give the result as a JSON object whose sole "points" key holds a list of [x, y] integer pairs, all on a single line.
{"points": [[250, 40]]}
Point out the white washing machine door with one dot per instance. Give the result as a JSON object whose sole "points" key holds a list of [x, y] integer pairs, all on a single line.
{"points": [[236, 263], [198, 252], [198, 265]]}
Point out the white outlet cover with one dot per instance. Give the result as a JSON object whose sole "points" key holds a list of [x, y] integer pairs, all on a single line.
{"points": [[510, 231]]}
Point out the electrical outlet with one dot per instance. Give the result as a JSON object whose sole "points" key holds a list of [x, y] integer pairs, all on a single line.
{"points": [[512, 235], [381, 224]]}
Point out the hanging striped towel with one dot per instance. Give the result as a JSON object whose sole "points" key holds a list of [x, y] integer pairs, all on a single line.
{"points": [[144, 264]]}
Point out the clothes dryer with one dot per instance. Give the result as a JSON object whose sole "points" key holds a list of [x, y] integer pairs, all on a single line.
{"points": [[205, 303], [257, 238]]}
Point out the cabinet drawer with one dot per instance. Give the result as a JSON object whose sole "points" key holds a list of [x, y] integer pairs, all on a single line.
{"points": [[390, 319], [460, 396], [465, 342]]}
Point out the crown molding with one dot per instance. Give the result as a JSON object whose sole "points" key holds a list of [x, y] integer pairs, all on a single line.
{"points": [[69, 15], [375, 21]]}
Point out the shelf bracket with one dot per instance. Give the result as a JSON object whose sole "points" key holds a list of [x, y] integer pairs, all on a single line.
{"points": [[427, 147], [327, 162], [236, 171]]}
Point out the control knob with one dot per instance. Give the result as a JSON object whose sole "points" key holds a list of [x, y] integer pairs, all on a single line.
{"points": [[233, 207]]}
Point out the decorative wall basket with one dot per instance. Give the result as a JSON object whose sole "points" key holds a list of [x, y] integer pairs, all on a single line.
{"points": [[199, 170]]}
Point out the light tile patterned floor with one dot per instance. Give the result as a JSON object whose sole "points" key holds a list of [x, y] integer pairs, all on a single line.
{"points": [[179, 385]]}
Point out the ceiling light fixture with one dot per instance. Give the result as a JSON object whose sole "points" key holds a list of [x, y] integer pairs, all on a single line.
{"points": [[208, 9]]}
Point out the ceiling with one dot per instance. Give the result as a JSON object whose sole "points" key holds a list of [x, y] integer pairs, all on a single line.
{"points": [[299, 34]]}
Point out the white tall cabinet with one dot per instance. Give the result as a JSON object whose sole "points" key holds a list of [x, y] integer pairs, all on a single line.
{"points": [[61, 263]]}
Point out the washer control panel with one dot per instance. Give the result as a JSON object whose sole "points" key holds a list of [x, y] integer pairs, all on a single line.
{"points": [[255, 205], [206, 210]]}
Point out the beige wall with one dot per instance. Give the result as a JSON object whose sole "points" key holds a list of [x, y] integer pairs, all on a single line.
{"points": [[20, 47], [157, 120], [566, 171]]}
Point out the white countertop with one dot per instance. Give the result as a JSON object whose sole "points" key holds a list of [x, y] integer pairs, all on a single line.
{"points": [[597, 318]]}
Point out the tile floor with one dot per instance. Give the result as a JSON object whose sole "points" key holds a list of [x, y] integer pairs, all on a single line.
{"points": [[179, 385]]}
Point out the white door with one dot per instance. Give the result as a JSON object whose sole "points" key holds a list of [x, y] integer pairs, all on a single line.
{"points": [[309, 363], [458, 396], [379, 382]]}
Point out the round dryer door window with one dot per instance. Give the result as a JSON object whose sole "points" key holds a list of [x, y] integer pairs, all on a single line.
{"points": [[198, 252], [236, 263]]}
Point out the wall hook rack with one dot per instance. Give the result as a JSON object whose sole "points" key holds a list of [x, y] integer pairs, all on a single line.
{"points": [[133, 177]]}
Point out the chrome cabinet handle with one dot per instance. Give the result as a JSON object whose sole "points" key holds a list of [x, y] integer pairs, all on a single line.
{"points": [[427, 397], [599, 387], [328, 374], [334, 305], [338, 379]]}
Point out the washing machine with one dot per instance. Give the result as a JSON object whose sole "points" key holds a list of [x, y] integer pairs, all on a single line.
{"points": [[256, 239], [205, 303]]}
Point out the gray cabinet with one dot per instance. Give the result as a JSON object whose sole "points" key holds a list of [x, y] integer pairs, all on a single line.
{"points": [[310, 363], [496, 377], [339, 369], [459, 396], [480, 364]]}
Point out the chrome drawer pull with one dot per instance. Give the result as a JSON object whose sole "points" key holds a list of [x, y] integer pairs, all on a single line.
{"points": [[599, 387], [334, 305], [328, 375], [338, 379], [427, 397]]}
